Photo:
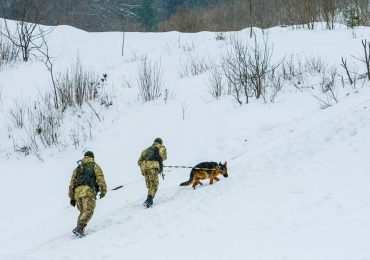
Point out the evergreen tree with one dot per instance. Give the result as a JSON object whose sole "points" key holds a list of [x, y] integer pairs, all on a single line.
{"points": [[147, 14], [352, 16], [171, 6]]}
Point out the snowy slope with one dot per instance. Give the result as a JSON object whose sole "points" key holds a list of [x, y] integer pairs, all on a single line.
{"points": [[298, 175]]}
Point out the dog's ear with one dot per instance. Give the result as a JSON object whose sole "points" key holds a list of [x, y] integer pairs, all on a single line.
{"points": [[225, 164], [219, 164]]}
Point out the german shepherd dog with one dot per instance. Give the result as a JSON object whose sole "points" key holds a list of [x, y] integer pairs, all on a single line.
{"points": [[206, 170]]}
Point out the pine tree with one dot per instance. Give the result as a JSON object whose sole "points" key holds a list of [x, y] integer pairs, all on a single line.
{"points": [[147, 14], [352, 16], [171, 6]]}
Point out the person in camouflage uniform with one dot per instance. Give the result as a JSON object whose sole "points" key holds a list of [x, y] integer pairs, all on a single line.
{"points": [[83, 188], [151, 164]]}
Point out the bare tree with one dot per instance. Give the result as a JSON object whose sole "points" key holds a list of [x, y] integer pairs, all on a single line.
{"points": [[48, 61], [8, 52], [48, 121], [366, 57], [27, 34], [235, 68], [315, 64], [345, 66], [328, 9], [366, 60], [259, 65], [17, 114], [299, 12], [215, 83], [365, 14], [251, 18], [247, 69], [194, 65], [150, 80], [288, 12], [310, 13], [328, 89], [276, 82], [78, 85], [123, 43], [184, 20]]}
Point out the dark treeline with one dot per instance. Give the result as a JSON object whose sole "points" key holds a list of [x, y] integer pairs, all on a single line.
{"points": [[185, 15]]}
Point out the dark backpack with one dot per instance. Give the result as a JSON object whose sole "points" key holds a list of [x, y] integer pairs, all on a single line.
{"points": [[152, 154], [86, 176]]}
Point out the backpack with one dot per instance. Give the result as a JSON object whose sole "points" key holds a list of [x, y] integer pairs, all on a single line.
{"points": [[86, 176], [152, 154]]}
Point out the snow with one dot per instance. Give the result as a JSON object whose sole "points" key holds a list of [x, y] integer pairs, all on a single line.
{"points": [[298, 174]]}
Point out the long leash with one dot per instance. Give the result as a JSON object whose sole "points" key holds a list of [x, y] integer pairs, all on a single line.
{"points": [[185, 167], [161, 173], [189, 167], [117, 188]]}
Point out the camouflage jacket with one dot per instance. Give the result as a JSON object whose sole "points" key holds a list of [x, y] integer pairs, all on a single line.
{"points": [[85, 190], [147, 165]]}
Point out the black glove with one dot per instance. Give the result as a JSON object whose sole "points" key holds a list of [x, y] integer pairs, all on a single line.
{"points": [[102, 194], [73, 202]]}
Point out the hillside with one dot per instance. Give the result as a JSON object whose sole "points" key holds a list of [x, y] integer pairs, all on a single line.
{"points": [[298, 173]]}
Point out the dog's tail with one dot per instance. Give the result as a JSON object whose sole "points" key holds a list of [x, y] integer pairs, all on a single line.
{"points": [[190, 180]]}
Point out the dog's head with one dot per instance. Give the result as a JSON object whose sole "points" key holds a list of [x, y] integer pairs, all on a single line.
{"points": [[223, 168]]}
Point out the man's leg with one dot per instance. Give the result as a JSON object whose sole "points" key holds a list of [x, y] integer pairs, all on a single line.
{"points": [[151, 180], [86, 206]]}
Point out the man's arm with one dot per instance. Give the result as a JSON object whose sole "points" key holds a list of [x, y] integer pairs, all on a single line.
{"points": [[71, 192], [141, 159], [163, 152], [100, 180]]}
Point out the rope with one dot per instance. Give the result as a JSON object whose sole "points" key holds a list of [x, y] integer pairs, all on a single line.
{"points": [[189, 167], [170, 166]]}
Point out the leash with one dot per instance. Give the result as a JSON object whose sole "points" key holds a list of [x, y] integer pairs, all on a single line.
{"points": [[189, 167], [163, 175], [117, 188], [185, 167]]}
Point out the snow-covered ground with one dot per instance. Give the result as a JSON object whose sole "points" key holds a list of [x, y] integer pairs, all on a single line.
{"points": [[298, 174]]}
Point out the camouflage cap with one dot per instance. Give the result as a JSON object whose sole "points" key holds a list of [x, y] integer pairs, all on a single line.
{"points": [[158, 140], [89, 154]]}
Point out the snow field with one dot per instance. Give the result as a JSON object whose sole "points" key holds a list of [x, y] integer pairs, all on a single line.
{"points": [[298, 175]]}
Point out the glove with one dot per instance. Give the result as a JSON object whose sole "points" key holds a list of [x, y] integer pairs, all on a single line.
{"points": [[102, 194], [73, 202]]}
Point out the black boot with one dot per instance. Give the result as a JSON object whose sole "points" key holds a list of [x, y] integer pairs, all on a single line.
{"points": [[149, 201], [79, 231]]}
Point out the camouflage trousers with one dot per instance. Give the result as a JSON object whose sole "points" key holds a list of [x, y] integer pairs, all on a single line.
{"points": [[86, 206], [151, 180]]}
